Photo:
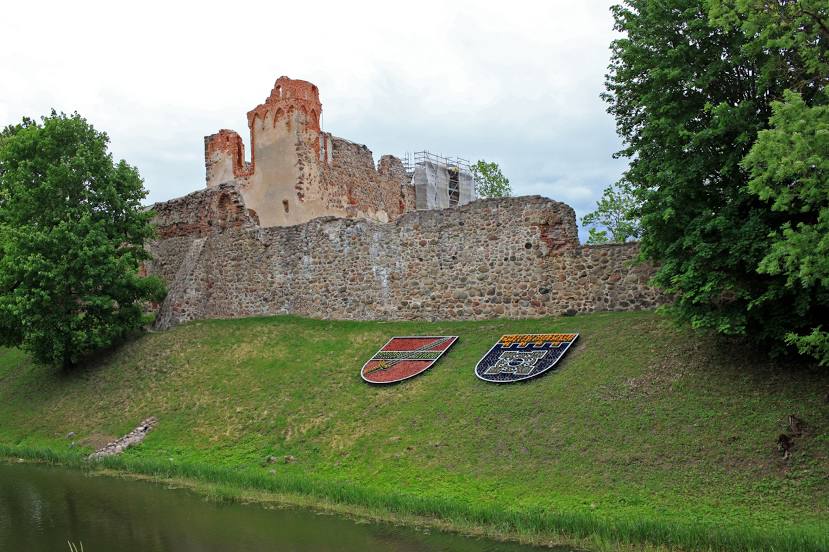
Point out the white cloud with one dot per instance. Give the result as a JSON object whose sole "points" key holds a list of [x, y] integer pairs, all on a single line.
{"points": [[513, 82]]}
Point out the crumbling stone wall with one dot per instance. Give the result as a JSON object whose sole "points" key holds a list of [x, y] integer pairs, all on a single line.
{"points": [[509, 257], [203, 212], [182, 221], [354, 183], [391, 169]]}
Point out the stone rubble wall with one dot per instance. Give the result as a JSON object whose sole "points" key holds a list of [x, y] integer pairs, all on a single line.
{"points": [[377, 193], [182, 221], [507, 257]]}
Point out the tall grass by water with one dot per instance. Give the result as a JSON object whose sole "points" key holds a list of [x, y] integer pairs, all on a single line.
{"points": [[226, 484]]}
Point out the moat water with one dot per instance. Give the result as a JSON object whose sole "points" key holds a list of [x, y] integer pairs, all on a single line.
{"points": [[44, 508]]}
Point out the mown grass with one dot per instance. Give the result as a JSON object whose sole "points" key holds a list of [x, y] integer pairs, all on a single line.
{"points": [[645, 435]]}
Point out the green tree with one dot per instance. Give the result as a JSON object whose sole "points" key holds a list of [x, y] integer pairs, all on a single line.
{"points": [[789, 168], [489, 180], [691, 84], [615, 219], [72, 231]]}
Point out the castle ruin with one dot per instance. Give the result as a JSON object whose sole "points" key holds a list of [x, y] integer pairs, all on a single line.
{"points": [[310, 226], [297, 172]]}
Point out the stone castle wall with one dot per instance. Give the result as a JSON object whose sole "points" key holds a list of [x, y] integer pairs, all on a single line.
{"points": [[509, 257]]}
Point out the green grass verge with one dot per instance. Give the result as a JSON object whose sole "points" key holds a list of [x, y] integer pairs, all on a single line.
{"points": [[646, 434]]}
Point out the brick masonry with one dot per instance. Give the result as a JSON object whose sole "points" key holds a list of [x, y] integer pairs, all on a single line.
{"points": [[509, 257]]}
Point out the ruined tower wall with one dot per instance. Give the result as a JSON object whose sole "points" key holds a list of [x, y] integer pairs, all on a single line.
{"points": [[297, 172], [510, 257], [285, 186]]}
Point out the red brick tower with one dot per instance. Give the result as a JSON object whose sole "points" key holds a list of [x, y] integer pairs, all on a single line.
{"points": [[288, 96]]}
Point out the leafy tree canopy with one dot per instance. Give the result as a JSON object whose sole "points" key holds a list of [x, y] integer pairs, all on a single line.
{"points": [[789, 168], [72, 231], [489, 180], [615, 219], [691, 85]]}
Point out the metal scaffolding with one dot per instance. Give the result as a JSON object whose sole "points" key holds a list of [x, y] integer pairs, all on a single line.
{"points": [[412, 160]]}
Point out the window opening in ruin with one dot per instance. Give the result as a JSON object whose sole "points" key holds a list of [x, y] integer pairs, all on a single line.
{"points": [[454, 187], [285, 205]]}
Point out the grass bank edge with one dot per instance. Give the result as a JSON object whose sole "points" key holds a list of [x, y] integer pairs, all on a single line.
{"points": [[532, 526]]}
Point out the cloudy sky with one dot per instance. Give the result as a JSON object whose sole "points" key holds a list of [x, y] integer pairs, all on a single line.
{"points": [[513, 82]]}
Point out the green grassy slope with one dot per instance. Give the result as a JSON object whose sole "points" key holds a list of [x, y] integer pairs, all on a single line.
{"points": [[641, 424]]}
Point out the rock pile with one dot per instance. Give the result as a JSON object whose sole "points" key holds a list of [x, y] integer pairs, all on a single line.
{"points": [[132, 438]]}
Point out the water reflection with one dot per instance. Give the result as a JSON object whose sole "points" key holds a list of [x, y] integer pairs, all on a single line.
{"points": [[43, 507]]}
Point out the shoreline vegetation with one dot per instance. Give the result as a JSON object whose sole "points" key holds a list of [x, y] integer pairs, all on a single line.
{"points": [[646, 437], [551, 529]]}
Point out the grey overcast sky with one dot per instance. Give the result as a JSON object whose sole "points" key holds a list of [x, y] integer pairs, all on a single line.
{"points": [[515, 82]]}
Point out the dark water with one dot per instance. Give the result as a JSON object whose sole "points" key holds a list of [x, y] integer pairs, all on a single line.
{"points": [[41, 508]]}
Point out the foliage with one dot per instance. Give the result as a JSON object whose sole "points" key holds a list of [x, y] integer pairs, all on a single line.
{"points": [[691, 84], [789, 167], [229, 393], [489, 180], [72, 231], [789, 37], [616, 212]]}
